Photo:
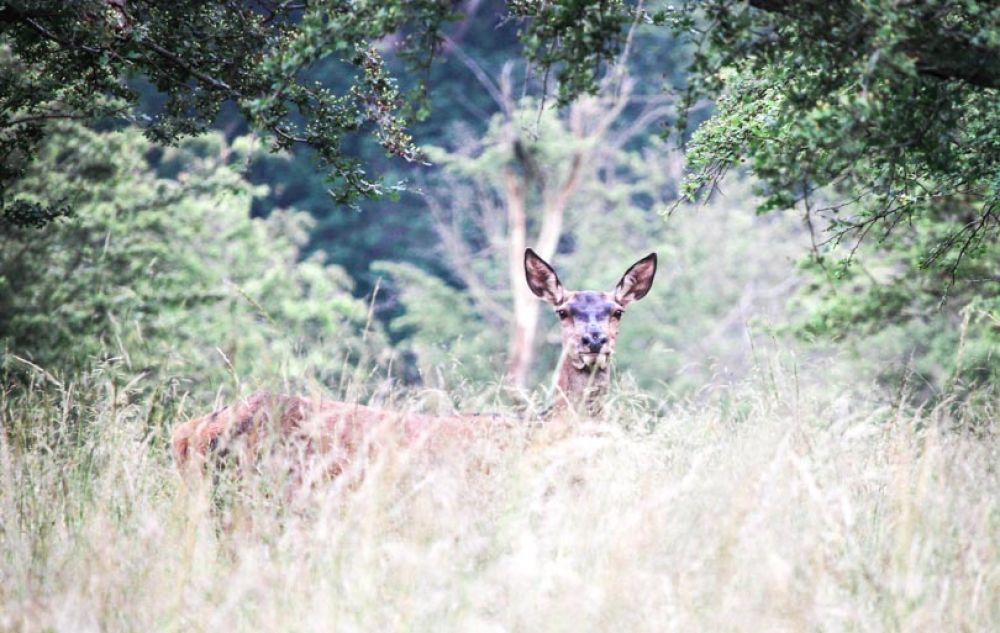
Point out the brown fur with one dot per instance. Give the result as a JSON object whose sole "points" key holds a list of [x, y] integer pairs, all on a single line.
{"points": [[332, 429], [335, 431]]}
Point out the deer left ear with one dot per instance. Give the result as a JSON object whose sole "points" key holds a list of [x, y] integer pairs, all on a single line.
{"points": [[636, 281]]}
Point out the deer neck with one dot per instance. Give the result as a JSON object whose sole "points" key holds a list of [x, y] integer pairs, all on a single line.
{"points": [[581, 390]]}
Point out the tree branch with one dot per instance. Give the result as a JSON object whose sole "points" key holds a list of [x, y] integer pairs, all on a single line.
{"points": [[944, 56], [218, 84]]}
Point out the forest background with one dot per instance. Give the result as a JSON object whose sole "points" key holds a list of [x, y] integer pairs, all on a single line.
{"points": [[212, 261]]}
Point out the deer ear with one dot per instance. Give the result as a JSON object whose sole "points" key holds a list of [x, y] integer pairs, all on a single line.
{"points": [[542, 279], [636, 281]]}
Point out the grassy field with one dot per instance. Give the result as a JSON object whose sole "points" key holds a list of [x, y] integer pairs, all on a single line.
{"points": [[770, 506]]}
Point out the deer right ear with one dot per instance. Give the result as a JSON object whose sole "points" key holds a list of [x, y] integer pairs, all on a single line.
{"points": [[542, 279], [636, 281]]}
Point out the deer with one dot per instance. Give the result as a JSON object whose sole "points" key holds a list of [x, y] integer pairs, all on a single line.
{"points": [[336, 431], [589, 322]]}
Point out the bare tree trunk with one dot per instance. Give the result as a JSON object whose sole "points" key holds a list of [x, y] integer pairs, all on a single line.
{"points": [[526, 305], [554, 200], [525, 322]]}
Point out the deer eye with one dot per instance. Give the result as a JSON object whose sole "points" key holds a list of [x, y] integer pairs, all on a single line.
{"points": [[563, 314], [617, 314]]}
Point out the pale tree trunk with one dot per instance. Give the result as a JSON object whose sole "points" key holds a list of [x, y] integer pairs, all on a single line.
{"points": [[526, 305], [525, 321]]}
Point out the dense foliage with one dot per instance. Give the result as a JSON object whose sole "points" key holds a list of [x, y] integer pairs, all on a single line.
{"points": [[71, 60], [162, 270], [891, 106], [874, 115]]}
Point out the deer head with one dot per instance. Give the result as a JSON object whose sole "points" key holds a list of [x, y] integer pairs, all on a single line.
{"points": [[589, 319]]}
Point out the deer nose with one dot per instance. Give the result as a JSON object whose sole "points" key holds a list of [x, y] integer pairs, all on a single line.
{"points": [[594, 342]]}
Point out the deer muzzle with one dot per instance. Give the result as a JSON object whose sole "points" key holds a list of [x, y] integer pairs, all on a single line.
{"points": [[589, 360]]}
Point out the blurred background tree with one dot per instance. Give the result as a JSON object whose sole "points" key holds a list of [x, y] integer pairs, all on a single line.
{"points": [[589, 188]]}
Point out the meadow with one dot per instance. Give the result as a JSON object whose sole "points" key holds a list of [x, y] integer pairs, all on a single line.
{"points": [[790, 501]]}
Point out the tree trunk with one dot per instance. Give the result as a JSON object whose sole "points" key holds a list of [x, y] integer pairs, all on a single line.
{"points": [[526, 305], [525, 321]]}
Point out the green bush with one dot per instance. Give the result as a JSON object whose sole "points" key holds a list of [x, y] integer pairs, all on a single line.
{"points": [[160, 269]]}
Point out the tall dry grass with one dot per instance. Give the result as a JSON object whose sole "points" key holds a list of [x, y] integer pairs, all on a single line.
{"points": [[770, 506]]}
